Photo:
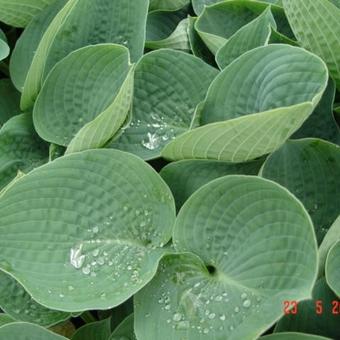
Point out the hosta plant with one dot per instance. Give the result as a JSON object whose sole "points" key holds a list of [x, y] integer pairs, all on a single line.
{"points": [[169, 169]]}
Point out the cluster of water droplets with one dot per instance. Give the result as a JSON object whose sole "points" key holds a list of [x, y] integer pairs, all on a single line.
{"points": [[198, 310], [159, 132]]}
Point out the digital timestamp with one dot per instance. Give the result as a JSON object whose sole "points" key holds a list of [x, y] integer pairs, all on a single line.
{"points": [[291, 307]]}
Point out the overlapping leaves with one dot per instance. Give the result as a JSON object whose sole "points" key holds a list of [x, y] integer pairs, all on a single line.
{"points": [[230, 285], [225, 87], [273, 88]]}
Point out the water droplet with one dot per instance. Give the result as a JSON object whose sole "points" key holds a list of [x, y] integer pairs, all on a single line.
{"points": [[70, 288], [86, 270], [243, 296], [76, 258], [177, 317], [61, 295], [237, 309], [95, 252], [222, 317], [95, 229], [152, 142], [205, 330], [212, 316], [167, 307], [231, 328], [183, 325], [101, 261], [218, 298], [246, 303]]}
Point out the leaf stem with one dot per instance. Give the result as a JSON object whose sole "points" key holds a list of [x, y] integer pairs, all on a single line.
{"points": [[88, 317]]}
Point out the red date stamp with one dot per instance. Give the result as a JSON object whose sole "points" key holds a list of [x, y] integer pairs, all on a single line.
{"points": [[291, 307]]}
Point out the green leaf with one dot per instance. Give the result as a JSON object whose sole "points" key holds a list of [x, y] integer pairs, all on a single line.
{"points": [[332, 268], [160, 24], [20, 148], [185, 177], [198, 5], [169, 85], [293, 336], [253, 120], [4, 48], [125, 330], [98, 132], [321, 123], [198, 47], [17, 303], [69, 108], [24, 331], [82, 23], [90, 234], [309, 168], [5, 319], [250, 235], [19, 13], [9, 101], [177, 40], [307, 320], [332, 236], [254, 34], [120, 313], [219, 22], [28, 42], [99, 330], [316, 24], [167, 5]]}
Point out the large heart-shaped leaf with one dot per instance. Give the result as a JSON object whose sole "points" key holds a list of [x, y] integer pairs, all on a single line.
{"points": [[81, 23], [9, 101], [254, 34], [310, 169], [321, 123], [24, 331], [185, 177], [17, 303], [99, 330], [98, 132], [69, 101], [86, 230], [20, 148], [219, 22], [258, 101], [250, 235], [316, 24], [28, 42], [19, 13], [332, 236], [332, 268], [314, 316], [168, 86]]}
